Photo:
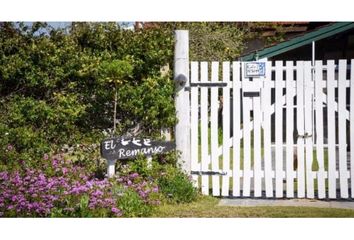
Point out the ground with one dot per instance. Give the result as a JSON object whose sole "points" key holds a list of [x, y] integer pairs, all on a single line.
{"points": [[208, 207]]}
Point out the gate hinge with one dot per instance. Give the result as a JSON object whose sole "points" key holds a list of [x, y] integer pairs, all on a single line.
{"points": [[208, 173]]}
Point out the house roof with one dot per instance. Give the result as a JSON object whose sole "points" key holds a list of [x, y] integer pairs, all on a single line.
{"points": [[299, 41]]}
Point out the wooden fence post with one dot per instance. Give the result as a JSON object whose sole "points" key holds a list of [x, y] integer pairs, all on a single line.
{"points": [[181, 78], [111, 168]]}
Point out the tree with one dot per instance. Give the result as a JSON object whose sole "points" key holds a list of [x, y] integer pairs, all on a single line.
{"points": [[116, 72]]}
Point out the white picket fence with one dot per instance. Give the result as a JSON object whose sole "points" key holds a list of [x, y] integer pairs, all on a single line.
{"points": [[302, 115]]}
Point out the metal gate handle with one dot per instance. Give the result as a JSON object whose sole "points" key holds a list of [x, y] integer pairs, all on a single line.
{"points": [[304, 136]]}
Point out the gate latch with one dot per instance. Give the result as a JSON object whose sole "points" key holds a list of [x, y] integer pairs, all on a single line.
{"points": [[304, 136], [251, 94], [208, 173]]}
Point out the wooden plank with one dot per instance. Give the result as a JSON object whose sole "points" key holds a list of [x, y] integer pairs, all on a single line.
{"points": [[182, 99], [257, 169], [267, 106], [226, 129], [319, 130], [331, 130], [214, 144], [194, 122], [342, 130], [246, 141], [352, 128], [278, 130], [300, 129], [308, 129], [289, 130], [204, 128], [236, 186]]}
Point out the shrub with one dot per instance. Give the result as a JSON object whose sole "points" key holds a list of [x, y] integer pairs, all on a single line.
{"points": [[177, 186], [138, 196], [174, 184]]}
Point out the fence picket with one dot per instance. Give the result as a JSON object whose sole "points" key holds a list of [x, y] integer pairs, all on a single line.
{"points": [[308, 129], [319, 130], [343, 180], [266, 101], [300, 129], [226, 128], [289, 130], [194, 123], [352, 128], [257, 147], [278, 130], [204, 128], [246, 142], [236, 129], [331, 130], [214, 130]]}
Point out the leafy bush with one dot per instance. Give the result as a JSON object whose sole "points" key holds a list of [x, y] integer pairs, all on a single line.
{"points": [[56, 85], [177, 186], [138, 196], [173, 183]]}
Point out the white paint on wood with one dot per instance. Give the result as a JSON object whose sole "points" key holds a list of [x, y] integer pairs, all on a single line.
{"points": [[181, 71], [308, 101], [352, 128], [226, 128], [214, 130], [246, 141], [331, 130], [236, 186], [266, 106], [289, 130], [300, 129], [272, 110], [111, 168], [257, 147], [204, 128], [319, 130], [278, 130], [194, 122], [342, 129]]}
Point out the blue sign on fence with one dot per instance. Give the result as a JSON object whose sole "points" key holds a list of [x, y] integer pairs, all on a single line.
{"points": [[255, 69]]}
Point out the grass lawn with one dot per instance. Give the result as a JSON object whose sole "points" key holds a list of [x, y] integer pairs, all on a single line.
{"points": [[207, 207]]}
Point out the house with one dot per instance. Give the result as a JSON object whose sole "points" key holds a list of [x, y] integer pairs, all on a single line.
{"points": [[330, 41]]}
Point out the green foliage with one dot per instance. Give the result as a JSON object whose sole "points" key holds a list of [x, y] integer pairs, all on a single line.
{"points": [[57, 85], [211, 41], [177, 186], [132, 205], [116, 70], [147, 103]]}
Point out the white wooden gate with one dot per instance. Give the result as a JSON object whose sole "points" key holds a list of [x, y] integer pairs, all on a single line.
{"points": [[288, 134]]}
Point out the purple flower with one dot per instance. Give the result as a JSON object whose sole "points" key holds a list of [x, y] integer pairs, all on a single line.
{"points": [[45, 156], [134, 175], [10, 147], [155, 189], [116, 211]]}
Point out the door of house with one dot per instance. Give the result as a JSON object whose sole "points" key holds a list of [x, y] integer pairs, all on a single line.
{"points": [[286, 133]]}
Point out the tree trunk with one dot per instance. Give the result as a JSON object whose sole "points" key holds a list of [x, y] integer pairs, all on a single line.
{"points": [[115, 112]]}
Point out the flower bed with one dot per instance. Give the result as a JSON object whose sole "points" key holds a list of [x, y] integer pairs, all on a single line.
{"points": [[64, 190]]}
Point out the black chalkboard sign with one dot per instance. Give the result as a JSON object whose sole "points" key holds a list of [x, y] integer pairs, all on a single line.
{"points": [[128, 148]]}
